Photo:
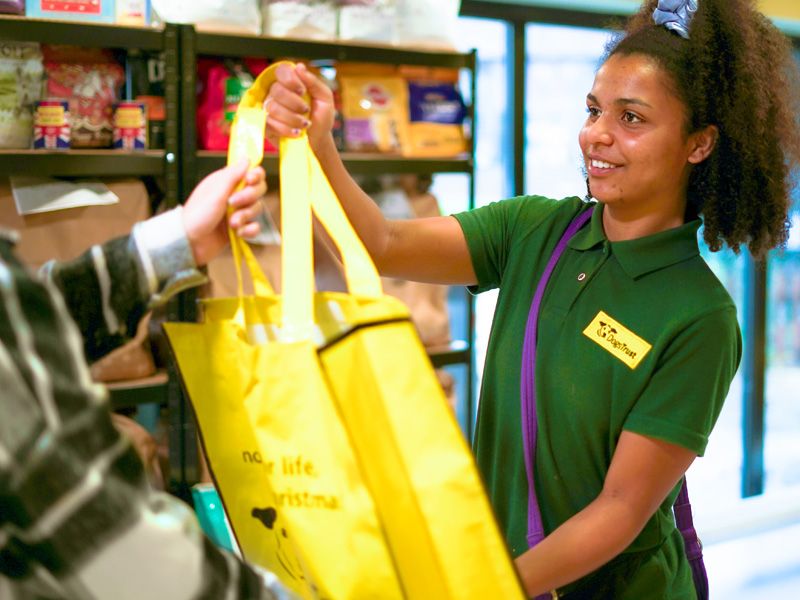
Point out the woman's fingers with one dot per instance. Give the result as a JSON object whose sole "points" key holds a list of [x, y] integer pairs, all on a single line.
{"points": [[287, 120], [288, 113], [317, 88]]}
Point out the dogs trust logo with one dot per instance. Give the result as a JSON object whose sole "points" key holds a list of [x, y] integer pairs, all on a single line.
{"points": [[617, 340]]}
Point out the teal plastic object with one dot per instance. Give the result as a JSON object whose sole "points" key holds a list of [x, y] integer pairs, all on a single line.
{"points": [[210, 513]]}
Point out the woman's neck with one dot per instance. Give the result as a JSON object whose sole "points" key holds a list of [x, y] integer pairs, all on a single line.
{"points": [[621, 224]]}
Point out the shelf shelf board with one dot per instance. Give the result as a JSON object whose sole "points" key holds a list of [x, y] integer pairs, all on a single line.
{"points": [[125, 394], [81, 163], [98, 35], [456, 352], [358, 164], [218, 44]]}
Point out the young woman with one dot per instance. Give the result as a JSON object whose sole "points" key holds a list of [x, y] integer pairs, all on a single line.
{"points": [[692, 120]]}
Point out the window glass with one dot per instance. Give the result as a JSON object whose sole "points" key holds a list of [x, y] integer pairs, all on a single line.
{"points": [[493, 173], [561, 62], [782, 418]]}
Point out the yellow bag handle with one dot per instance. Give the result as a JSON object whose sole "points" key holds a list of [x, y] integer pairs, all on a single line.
{"points": [[304, 187]]}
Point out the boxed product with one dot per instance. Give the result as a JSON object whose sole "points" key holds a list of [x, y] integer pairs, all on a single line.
{"points": [[20, 87], [374, 109], [99, 11], [90, 78], [436, 113], [302, 19], [367, 20]]}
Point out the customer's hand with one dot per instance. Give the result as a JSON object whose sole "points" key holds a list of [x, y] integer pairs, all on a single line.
{"points": [[288, 113], [204, 214]]}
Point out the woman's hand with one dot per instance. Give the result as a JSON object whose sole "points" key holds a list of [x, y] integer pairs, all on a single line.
{"points": [[288, 113], [204, 213]]}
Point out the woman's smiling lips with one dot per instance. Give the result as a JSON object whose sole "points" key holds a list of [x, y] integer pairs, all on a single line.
{"points": [[598, 166]]}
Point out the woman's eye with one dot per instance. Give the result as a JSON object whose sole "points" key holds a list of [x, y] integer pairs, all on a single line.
{"points": [[593, 111], [630, 117]]}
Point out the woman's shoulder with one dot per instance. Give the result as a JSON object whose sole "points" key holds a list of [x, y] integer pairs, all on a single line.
{"points": [[531, 210]]}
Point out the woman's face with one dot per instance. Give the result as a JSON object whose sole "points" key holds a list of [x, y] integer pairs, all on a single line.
{"points": [[635, 147]]}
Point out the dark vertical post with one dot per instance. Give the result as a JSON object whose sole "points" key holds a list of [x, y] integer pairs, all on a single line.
{"points": [[754, 369], [174, 192], [172, 139], [472, 375]]}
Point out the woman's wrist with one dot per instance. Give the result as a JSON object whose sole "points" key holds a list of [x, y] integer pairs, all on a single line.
{"points": [[325, 147]]}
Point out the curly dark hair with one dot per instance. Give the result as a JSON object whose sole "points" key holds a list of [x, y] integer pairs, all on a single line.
{"points": [[736, 71]]}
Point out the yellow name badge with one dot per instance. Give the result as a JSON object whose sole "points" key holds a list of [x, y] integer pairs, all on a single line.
{"points": [[617, 339]]}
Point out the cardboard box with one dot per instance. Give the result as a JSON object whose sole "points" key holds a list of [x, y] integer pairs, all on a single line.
{"points": [[97, 11]]}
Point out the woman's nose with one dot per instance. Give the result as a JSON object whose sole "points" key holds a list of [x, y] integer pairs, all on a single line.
{"points": [[599, 131]]}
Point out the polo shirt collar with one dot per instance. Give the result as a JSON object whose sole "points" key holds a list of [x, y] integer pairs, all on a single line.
{"points": [[643, 255]]}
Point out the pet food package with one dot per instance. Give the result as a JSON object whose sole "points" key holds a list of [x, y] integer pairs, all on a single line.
{"points": [[90, 78], [225, 16], [426, 24], [374, 109], [20, 86], [12, 7], [367, 20], [222, 85], [437, 113], [97, 11], [302, 19]]}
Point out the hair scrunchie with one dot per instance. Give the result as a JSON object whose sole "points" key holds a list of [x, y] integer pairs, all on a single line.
{"points": [[675, 15]]}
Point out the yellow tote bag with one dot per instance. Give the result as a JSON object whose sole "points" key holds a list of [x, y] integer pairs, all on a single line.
{"points": [[338, 460]]}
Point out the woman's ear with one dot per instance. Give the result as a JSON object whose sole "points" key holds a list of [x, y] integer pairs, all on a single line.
{"points": [[701, 143]]}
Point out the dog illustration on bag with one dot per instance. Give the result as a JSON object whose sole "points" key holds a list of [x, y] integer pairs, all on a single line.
{"points": [[267, 517]]}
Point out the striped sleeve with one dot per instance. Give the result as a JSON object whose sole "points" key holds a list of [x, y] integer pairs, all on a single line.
{"points": [[77, 516], [109, 288]]}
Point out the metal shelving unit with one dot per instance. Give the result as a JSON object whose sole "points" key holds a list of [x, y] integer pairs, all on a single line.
{"points": [[83, 163], [249, 45], [180, 165], [358, 164], [76, 33]]}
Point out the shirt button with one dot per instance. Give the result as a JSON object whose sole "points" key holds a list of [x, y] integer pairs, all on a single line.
{"points": [[582, 276]]}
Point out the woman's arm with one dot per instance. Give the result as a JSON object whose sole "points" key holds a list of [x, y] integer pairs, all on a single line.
{"points": [[432, 250], [642, 473]]}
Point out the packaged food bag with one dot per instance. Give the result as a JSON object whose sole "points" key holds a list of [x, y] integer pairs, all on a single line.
{"points": [[20, 86], [374, 111]]}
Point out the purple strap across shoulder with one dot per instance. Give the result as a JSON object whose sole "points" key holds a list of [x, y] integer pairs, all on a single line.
{"points": [[682, 507], [527, 381]]}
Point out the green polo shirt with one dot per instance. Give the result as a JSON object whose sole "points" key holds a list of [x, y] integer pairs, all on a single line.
{"points": [[636, 335]]}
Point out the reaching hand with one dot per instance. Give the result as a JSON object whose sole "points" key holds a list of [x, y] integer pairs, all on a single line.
{"points": [[288, 113], [205, 211]]}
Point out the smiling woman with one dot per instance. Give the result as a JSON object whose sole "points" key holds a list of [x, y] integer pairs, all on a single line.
{"points": [[689, 122], [637, 153]]}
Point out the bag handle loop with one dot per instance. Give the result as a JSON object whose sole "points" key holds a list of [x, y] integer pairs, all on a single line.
{"points": [[304, 188]]}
